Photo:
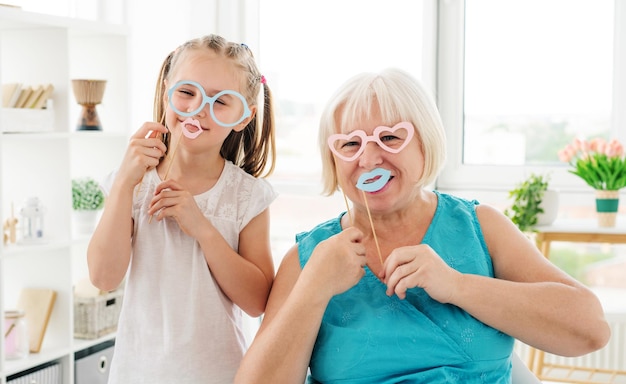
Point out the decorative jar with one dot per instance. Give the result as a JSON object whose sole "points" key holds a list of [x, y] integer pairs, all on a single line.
{"points": [[32, 214], [16, 344]]}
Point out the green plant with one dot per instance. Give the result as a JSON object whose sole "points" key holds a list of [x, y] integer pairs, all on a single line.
{"points": [[527, 197], [86, 195]]}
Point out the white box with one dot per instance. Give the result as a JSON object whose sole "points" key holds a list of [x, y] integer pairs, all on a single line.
{"points": [[21, 120], [91, 365]]}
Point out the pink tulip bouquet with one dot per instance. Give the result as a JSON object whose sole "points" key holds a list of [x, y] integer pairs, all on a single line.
{"points": [[601, 164]]}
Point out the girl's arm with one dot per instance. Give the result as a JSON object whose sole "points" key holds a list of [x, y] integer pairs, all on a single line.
{"points": [[245, 277], [109, 250], [108, 253]]}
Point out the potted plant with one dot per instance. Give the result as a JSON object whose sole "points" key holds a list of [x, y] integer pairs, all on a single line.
{"points": [[528, 209], [87, 202], [602, 165]]}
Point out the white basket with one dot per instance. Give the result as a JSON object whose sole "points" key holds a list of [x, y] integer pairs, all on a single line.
{"points": [[97, 316]]}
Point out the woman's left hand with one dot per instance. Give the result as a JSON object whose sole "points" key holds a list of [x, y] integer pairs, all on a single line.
{"points": [[419, 266], [171, 200]]}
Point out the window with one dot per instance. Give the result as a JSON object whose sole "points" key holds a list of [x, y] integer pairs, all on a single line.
{"points": [[529, 76], [517, 80]]}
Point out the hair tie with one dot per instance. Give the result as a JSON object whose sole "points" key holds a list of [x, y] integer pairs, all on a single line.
{"points": [[263, 80]]}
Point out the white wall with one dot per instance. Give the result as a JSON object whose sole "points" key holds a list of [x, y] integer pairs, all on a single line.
{"points": [[158, 27]]}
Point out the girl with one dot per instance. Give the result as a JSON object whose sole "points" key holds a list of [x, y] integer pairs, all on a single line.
{"points": [[187, 218]]}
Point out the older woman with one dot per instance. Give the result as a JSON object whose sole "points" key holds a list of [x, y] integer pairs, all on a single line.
{"points": [[410, 284]]}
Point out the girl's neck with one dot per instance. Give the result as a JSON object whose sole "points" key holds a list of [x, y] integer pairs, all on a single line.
{"points": [[194, 174]]}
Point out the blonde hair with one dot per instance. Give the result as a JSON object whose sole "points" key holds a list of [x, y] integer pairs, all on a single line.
{"points": [[399, 97], [253, 149]]}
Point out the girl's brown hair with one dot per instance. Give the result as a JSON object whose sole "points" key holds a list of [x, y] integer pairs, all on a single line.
{"points": [[252, 149]]}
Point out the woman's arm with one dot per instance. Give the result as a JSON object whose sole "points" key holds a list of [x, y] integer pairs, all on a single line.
{"points": [[274, 357], [282, 348], [530, 298]]}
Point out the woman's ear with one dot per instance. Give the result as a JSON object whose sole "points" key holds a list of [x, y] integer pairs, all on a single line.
{"points": [[239, 127]]}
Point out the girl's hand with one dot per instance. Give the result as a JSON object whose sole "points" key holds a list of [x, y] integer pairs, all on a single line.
{"points": [[337, 263], [143, 153], [171, 200], [420, 266]]}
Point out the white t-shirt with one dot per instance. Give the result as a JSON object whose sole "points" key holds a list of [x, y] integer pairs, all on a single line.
{"points": [[176, 325]]}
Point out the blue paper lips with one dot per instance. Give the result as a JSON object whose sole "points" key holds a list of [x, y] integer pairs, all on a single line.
{"points": [[374, 180]]}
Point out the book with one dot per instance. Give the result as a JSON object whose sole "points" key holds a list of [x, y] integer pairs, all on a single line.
{"points": [[37, 91], [10, 94], [24, 95], [37, 303], [43, 98]]}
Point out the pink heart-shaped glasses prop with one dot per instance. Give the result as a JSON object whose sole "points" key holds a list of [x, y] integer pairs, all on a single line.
{"points": [[350, 146]]}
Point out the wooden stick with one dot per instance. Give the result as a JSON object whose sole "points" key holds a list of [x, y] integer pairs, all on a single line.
{"points": [[8, 332], [345, 198], [162, 122], [169, 166], [380, 256]]}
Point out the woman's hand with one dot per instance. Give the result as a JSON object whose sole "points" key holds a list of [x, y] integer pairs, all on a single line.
{"points": [[420, 266], [144, 151], [171, 200], [337, 263]]}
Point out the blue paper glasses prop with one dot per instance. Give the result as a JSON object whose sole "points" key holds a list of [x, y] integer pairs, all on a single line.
{"points": [[227, 108]]}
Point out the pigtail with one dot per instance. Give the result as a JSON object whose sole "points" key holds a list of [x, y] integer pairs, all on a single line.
{"points": [[268, 133], [158, 106]]}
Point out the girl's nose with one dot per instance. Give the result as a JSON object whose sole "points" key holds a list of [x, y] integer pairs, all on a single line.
{"points": [[371, 156], [203, 111]]}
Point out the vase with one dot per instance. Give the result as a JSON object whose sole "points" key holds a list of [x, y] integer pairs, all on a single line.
{"points": [[84, 222], [550, 206], [607, 203]]}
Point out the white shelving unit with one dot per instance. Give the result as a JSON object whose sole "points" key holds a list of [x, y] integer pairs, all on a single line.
{"points": [[38, 49]]}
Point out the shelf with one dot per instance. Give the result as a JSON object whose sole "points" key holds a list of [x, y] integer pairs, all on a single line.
{"points": [[80, 344], [35, 359], [42, 156], [23, 250]]}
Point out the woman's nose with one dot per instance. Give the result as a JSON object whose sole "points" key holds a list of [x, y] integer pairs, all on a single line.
{"points": [[371, 156]]}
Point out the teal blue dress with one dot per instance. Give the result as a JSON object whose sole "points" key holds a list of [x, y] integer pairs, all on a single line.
{"points": [[368, 337]]}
